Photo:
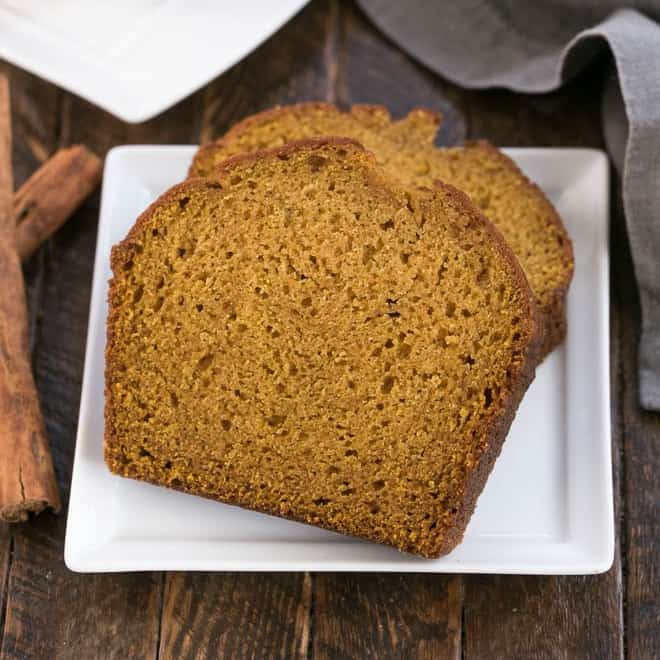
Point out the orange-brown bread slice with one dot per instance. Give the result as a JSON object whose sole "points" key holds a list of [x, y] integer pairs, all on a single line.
{"points": [[302, 337], [404, 148]]}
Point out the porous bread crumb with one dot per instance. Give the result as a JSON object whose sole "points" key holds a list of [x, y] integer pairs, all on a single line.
{"points": [[404, 148], [305, 338]]}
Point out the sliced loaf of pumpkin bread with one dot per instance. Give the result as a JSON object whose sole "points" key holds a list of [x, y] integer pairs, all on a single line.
{"points": [[303, 337]]}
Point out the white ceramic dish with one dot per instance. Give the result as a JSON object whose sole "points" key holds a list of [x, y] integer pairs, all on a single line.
{"points": [[135, 58], [547, 507]]}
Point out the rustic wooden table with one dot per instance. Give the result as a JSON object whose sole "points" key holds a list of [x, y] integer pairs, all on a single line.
{"points": [[330, 52]]}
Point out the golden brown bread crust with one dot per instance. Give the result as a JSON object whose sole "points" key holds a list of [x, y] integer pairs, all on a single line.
{"points": [[283, 152], [520, 381], [429, 117], [256, 119], [553, 315], [519, 376], [552, 309]]}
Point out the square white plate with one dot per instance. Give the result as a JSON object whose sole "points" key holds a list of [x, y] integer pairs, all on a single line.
{"points": [[135, 58], [547, 507]]}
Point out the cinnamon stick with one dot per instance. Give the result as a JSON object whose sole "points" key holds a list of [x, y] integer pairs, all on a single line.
{"points": [[52, 194], [27, 478], [6, 171]]}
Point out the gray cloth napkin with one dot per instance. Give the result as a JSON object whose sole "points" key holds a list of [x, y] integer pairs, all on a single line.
{"points": [[535, 47]]}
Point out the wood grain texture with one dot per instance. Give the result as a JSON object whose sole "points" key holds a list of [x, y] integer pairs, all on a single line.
{"points": [[36, 118], [52, 613], [543, 617], [640, 438], [569, 117], [84, 123], [234, 616], [386, 616]]}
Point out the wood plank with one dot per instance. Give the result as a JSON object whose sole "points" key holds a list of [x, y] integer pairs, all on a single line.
{"points": [[641, 466], [55, 614], [642, 494], [386, 616], [52, 612], [569, 117], [235, 615], [543, 617], [84, 123], [35, 106], [220, 615]]}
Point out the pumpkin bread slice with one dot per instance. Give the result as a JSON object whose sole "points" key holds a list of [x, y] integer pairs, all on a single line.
{"points": [[304, 338], [518, 208]]}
